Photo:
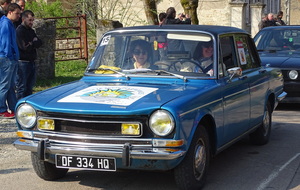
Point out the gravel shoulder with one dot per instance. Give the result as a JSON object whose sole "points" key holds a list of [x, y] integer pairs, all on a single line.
{"points": [[10, 160]]}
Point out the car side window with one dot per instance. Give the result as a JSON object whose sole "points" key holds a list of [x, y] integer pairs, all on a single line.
{"points": [[246, 52], [227, 54]]}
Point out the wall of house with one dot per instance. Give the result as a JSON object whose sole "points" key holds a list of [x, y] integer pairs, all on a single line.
{"points": [[209, 11], [291, 11]]}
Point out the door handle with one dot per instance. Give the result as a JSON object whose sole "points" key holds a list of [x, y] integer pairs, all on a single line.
{"points": [[262, 71], [243, 77]]}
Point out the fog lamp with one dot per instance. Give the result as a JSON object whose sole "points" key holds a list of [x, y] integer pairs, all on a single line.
{"points": [[46, 124], [130, 129]]}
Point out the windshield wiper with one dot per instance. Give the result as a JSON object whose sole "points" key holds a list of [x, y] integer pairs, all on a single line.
{"points": [[173, 74], [109, 69]]}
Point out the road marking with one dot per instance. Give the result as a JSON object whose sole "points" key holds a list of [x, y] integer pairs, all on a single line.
{"points": [[276, 173]]}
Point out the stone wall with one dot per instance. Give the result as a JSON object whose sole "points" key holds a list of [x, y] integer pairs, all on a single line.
{"points": [[45, 63], [291, 13], [73, 53], [67, 54]]}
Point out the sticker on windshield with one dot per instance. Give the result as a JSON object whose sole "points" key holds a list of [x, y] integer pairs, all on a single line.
{"points": [[105, 40], [113, 95]]}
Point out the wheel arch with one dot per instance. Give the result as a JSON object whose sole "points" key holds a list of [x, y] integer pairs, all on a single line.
{"points": [[271, 98], [209, 124]]}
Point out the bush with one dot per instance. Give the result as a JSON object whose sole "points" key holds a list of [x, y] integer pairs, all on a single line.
{"points": [[42, 9]]}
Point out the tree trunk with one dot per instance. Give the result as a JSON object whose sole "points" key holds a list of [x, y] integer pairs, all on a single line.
{"points": [[151, 11], [190, 7]]}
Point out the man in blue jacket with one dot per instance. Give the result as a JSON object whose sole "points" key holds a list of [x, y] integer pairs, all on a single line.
{"points": [[9, 56]]}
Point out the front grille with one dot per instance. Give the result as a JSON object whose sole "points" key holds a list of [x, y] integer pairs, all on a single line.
{"points": [[102, 125], [88, 127]]}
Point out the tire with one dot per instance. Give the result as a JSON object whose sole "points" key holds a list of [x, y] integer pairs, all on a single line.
{"points": [[191, 173], [261, 135], [46, 170]]}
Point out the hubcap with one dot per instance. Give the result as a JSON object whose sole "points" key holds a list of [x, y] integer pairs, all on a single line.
{"points": [[200, 160]]}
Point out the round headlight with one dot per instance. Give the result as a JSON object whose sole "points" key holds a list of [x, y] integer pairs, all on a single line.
{"points": [[26, 116], [293, 74], [161, 123]]}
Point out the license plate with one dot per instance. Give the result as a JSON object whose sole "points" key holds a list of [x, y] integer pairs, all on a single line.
{"points": [[85, 162]]}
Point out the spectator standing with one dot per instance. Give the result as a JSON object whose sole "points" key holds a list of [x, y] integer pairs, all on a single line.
{"points": [[260, 24], [9, 55], [171, 14], [28, 42], [279, 21], [21, 3], [269, 21], [162, 17], [3, 5]]}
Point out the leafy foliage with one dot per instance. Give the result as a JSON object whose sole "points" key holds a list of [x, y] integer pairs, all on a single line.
{"points": [[65, 71], [43, 9]]}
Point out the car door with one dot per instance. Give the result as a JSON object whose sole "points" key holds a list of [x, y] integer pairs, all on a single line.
{"points": [[256, 76], [236, 95]]}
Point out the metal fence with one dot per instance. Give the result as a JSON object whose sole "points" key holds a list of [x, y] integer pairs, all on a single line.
{"points": [[71, 38]]}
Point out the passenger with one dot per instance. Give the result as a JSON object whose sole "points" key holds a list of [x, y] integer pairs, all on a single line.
{"points": [[204, 55], [141, 52]]}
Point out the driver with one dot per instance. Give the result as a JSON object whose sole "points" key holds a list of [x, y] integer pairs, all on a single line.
{"points": [[141, 52]]}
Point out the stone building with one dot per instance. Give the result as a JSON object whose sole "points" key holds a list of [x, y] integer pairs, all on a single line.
{"points": [[210, 12], [244, 14]]}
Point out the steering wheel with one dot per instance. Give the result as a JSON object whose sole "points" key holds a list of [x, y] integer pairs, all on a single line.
{"points": [[195, 63]]}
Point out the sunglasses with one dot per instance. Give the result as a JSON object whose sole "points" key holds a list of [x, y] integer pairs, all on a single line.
{"points": [[138, 52]]}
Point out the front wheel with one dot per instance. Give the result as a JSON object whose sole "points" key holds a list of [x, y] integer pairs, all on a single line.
{"points": [[46, 170], [191, 172], [261, 135]]}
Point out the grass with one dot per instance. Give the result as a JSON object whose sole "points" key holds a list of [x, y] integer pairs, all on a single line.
{"points": [[65, 71]]}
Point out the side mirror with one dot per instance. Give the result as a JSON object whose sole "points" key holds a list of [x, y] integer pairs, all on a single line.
{"points": [[235, 71]]}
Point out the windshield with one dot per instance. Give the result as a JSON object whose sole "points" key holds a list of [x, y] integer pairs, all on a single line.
{"points": [[177, 54], [278, 40]]}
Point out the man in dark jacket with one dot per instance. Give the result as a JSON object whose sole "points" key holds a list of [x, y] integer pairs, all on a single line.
{"points": [[21, 3], [171, 14], [268, 21], [28, 42]]}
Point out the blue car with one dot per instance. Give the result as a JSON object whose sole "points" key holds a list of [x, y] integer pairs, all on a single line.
{"points": [[153, 98], [280, 47]]}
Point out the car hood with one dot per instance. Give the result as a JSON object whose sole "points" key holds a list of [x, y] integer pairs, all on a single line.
{"points": [[285, 59], [103, 98]]}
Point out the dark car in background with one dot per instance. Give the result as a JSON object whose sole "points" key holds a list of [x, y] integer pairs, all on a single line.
{"points": [[279, 46]]}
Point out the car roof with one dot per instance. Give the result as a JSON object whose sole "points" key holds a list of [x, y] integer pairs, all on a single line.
{"points": [[281, 27], [213, 29]]}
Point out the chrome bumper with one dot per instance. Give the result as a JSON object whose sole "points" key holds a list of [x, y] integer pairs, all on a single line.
{"points": [[281, 96], [126, 152]]}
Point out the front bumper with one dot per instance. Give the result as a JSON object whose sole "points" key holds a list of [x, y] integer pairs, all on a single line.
{"points": [[125, 150], [293, 92]]}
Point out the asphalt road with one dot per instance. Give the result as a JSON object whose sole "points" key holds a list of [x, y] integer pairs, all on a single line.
{"points": [[243, 166]]}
